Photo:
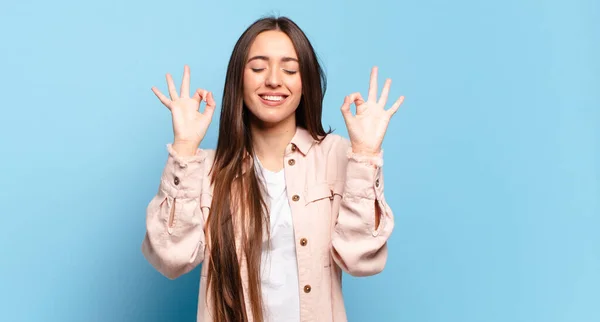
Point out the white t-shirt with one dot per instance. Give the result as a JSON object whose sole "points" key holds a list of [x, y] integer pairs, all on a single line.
{"points": [[279, 269]]}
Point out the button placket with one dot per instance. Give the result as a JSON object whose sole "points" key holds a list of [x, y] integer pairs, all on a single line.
{"points": [[303, 241]]}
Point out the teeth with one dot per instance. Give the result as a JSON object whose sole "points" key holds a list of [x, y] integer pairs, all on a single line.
{"points": [[273, 98]]}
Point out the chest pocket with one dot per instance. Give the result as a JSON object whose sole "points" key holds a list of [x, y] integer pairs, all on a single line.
{"points": [[321, 191], [318, 192], [322, 205], [318, 205]]}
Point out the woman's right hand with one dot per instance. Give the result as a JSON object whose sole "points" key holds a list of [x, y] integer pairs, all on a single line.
{"points": [[189, 125]]}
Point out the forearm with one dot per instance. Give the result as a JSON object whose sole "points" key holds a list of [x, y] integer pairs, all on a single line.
{"points": [[365, 221], [174, 240]]}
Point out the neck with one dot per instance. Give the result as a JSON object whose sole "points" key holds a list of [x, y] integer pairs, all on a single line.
{"points": [[270, 142]]}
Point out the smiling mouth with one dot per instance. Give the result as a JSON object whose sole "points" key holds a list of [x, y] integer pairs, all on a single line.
{"points": [[273, 98]]}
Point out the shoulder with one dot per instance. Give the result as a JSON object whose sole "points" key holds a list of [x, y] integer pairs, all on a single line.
{"points": [[333, 160], [333, 151], [335, 145]]}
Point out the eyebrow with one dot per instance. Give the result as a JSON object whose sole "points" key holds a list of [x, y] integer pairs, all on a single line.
{"points": [[284, 59]]}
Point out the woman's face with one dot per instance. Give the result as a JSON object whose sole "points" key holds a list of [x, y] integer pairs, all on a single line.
{"points": [[272, 83]]}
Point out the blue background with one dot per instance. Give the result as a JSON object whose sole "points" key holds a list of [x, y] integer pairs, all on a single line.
{"points": [[491, 164]]}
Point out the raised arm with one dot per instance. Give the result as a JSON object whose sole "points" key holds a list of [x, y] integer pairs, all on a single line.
{"points": [[174, 241], [365, 221]]}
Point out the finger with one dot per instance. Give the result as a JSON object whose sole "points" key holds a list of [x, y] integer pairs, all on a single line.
{"points": [[385, 92], [185, 83], [163, 99], [346, 107], [197, 97], [203, 94], [358, 101], [210, 105], [171, 85], [396, 106], [373, 85], [355, 98], [210, 100]]}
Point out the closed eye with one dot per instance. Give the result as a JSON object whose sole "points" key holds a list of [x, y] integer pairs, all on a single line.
{"points": [[287, 71]]}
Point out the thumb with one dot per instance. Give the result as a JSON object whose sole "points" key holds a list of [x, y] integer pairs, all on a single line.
{"points": [[210, 105]]}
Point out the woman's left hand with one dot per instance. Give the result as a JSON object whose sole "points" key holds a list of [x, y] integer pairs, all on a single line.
{"points": [[367, 128]]}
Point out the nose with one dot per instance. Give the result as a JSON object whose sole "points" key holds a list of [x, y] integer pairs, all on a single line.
{"points": [[273, 78]]}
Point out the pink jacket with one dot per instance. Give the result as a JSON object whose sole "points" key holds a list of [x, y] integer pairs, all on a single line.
{"points": [[334, 195]]}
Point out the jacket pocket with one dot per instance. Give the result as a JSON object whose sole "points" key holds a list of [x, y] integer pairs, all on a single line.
{"points": [[317, 212], [318, 192]]}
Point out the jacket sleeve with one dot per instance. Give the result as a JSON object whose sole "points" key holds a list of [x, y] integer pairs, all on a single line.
{"points": [[174, 241], [359, 245]]}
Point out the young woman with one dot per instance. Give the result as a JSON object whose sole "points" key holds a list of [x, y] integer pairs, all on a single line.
{"points": [[281, 207]]}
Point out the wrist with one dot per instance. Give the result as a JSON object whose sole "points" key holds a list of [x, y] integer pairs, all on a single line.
{"points": [[185, 148], [366, 157], [366, 152]]}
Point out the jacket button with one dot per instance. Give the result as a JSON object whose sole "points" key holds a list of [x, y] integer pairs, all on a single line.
{"points": [[176, 181], [307, 289], [377, 183], [303, 241], [291, 162], [296, 198], [293, 147]]}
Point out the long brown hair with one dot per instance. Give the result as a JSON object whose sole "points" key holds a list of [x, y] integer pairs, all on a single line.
{"points": [[237, 189]]}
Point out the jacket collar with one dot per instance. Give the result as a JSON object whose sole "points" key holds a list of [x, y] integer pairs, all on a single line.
{"points": [[301, 141]]}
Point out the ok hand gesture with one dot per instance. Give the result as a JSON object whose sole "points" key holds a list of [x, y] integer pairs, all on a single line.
{"points": [[189, 124], [367, 128]]}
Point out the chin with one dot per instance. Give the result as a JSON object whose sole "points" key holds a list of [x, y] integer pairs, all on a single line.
{"points": [[272, 118]]}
